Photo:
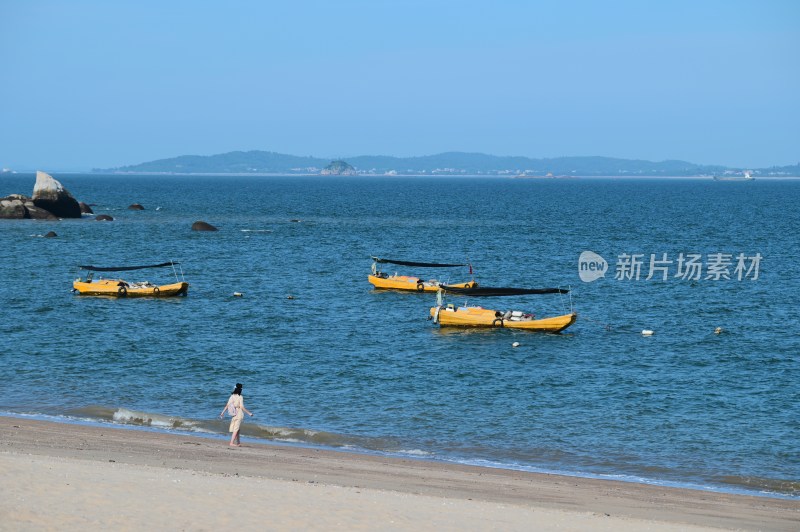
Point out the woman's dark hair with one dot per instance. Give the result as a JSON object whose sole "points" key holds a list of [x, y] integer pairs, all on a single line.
{"points": [[238, 389]]}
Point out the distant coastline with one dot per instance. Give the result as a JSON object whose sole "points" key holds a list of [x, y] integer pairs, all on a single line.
{"points": [[443, 164]]}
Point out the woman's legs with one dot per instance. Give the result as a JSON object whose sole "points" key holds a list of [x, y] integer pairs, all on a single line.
{"points": [[234, 438]]}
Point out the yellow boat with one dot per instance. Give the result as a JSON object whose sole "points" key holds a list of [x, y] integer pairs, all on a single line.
{"points": [[122, 288], [384, 281], [452, 316]]}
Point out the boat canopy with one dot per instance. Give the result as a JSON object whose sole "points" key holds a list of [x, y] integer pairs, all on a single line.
{"points": [[416, 264], [126, 268], [487, 291]]}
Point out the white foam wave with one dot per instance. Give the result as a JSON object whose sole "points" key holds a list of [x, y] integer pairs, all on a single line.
{"points": [[123, 415], [414, 452]]}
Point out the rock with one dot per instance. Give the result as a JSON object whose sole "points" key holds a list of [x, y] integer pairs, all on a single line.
{"points": [[17, 207], [51, 234], [104, 218], [135, 207], [36, 213], [203, 226], [85, 209], [12, 208], [50, 195]]}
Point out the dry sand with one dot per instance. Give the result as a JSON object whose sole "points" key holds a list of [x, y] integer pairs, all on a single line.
{"points": [[70, 477]]}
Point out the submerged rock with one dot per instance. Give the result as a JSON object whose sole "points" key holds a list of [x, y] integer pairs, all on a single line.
{"points": [[51, 234], [104, 218], [50, 195], [203, 226], [135, 207], [85, 209]]}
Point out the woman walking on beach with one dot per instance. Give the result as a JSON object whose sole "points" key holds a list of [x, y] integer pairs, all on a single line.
{"points": [[235, 407]]}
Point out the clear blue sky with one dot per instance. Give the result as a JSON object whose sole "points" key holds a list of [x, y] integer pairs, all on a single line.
{"points": [[104, 83]]}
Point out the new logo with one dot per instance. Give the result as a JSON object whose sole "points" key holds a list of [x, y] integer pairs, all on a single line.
{"points": [[591, 266]]}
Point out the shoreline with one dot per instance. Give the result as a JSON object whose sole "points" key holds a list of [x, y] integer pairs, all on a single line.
{"points": [[161, 426], [36, 454]]}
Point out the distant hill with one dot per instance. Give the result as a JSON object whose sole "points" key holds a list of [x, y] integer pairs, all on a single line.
{"points": [[451, 163]]}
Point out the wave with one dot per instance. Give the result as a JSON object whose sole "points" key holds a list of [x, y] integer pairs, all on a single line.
{"points": [[256, 230], [126, 416]]}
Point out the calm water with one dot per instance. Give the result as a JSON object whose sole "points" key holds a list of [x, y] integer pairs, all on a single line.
{"points": [[341, 365]]}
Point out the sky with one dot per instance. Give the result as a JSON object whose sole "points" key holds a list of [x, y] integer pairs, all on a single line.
{"points": [[98, 84]]}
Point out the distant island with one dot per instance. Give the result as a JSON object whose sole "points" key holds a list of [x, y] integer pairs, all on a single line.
{"points": [[450, 163], [339, 168]]}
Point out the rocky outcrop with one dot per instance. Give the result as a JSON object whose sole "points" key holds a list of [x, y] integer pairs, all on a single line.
{"points": [[12, 208], [339, 168], [203, 226], [51, 234], [135, 207], [85, 209], [50, 195], [104, 218], [17, 206]]}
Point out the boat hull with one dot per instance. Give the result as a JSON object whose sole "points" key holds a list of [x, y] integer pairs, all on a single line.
{"points": [[119, 288], [411, 284], [481, 317]]}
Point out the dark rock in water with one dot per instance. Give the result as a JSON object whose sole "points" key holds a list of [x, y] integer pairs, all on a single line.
{"points": [[51, 234], [13, 208], [36, 213], [85, 209], [135, 207], [104, 218], [203, 226], [17, 206], [50, 195]]}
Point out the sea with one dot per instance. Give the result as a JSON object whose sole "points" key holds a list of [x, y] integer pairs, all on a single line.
{"points": [[710, 400]]}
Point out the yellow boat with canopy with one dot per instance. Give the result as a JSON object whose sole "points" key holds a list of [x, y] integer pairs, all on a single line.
{"points": [[121, 288], [384, 281], [476, 316]]}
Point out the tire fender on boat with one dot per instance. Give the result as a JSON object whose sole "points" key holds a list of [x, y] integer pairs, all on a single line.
{"points": [[498, 322], [156, 290], [420, 286], [122, 291]]}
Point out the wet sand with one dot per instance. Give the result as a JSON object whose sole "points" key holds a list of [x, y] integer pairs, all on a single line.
{"points": [[71, 477]]}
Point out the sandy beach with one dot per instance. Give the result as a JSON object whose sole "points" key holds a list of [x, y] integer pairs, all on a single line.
{"points": [[71, 477]]}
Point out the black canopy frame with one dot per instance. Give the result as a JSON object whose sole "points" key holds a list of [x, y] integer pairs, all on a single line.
{"points": [[417, 264], [488, 291], [172, 264], [126, 268]]}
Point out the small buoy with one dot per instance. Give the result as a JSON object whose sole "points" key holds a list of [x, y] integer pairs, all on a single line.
{"points": [[515, 344], [237, 294], [718, 330], [647, 332], [290, 296]]}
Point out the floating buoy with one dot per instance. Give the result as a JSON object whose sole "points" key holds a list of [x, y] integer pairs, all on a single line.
{"points": [[647, 332], [515, 344], [290, 296], [237, 294], [718, 330]]}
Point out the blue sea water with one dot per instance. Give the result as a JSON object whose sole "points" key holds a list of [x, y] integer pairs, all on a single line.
{"points": [[344, 366]]}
